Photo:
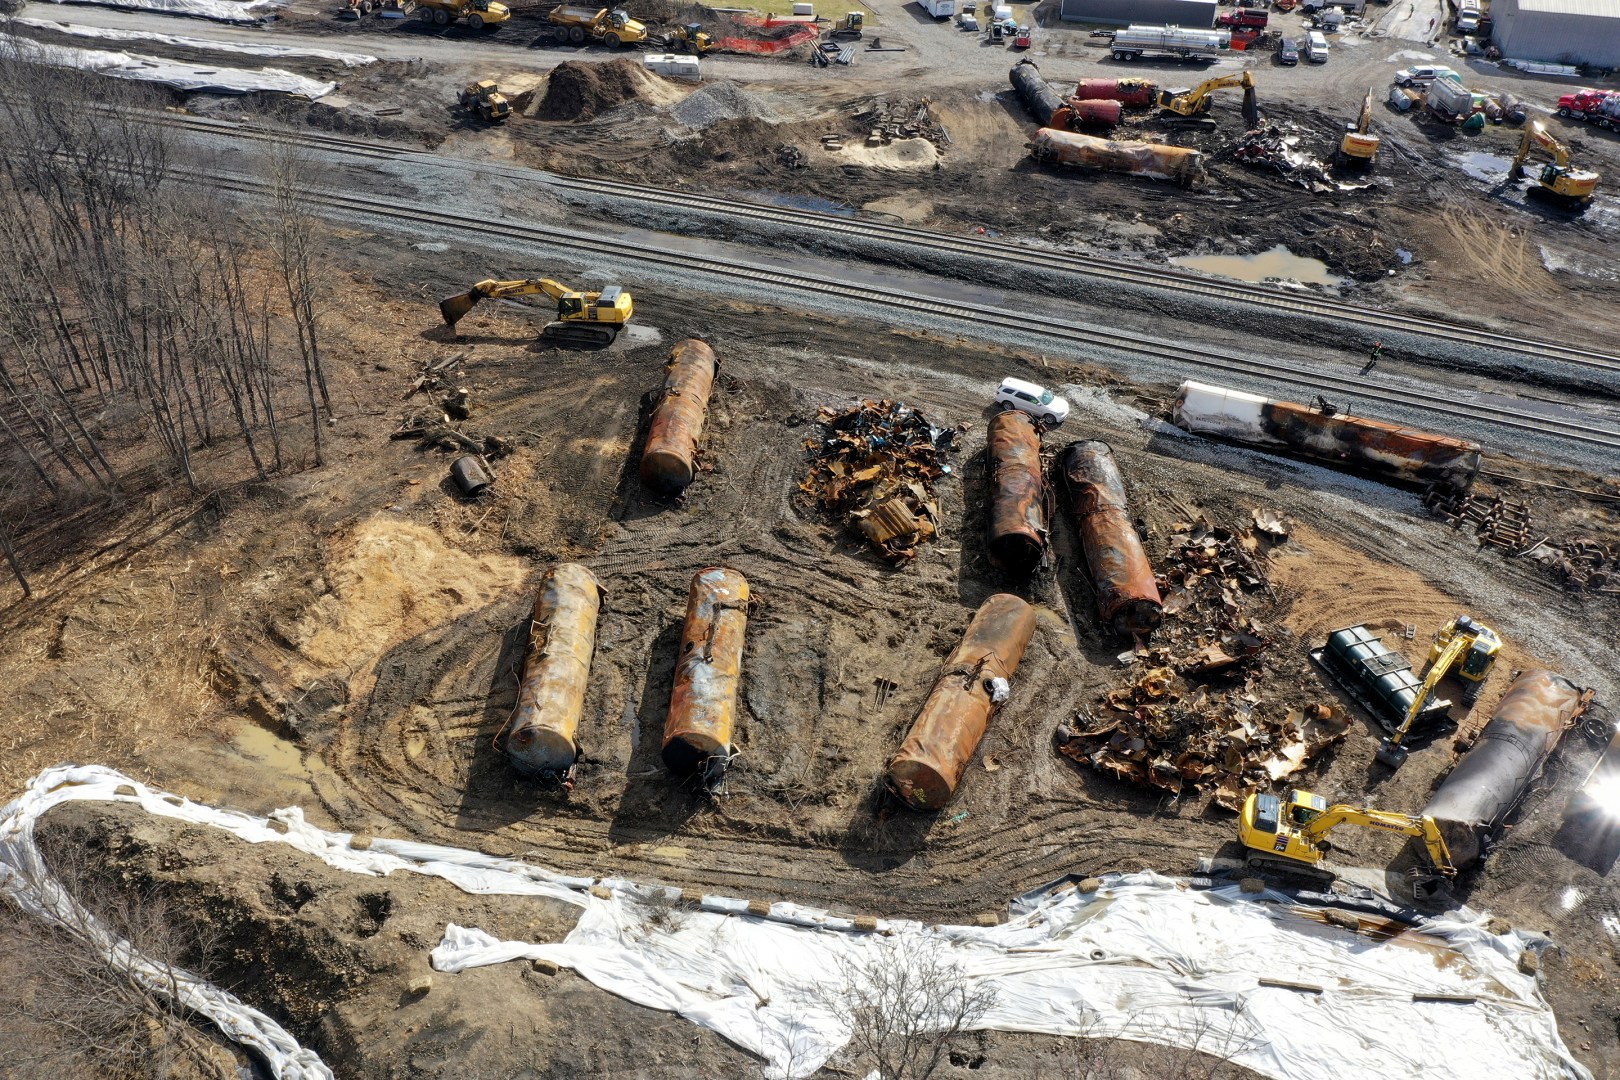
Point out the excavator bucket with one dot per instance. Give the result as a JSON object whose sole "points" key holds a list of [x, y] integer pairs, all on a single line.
{"points": [[454, 307], [1251, 108]]}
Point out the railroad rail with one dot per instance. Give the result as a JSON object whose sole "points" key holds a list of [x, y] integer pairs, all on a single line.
{"points": [[996, 319], [1182, 283]]}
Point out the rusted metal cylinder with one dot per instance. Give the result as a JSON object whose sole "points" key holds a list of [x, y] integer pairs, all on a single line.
{"points": [[974, 684], [1017, 492], [1134, 93], [1121, 576], [1152, 160], [703, 706], [1092, 113], [542, 736], [1473, 803], [1390, 452], [669, 460], [1039, 97]]}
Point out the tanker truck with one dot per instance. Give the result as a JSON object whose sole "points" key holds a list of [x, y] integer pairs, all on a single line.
{"points": [[1136, 41]]}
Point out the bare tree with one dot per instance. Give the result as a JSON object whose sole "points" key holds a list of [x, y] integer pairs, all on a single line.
{"points": [[909, 1008], [70, 1008], [293, 240]]}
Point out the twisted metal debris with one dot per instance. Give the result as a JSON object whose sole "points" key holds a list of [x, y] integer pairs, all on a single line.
{"points": [[875, 465]]}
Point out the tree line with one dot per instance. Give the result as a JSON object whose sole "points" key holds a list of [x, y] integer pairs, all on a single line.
{"points": [[150, 330]]}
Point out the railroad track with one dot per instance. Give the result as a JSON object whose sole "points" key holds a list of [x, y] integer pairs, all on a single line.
{"points": [[889, 299], [1181, 283]]}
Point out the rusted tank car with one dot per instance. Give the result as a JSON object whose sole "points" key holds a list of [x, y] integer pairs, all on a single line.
{"points": [[1079, 113], [1473, 803], [1018, 504], [1132, 93], [703, 706], [974, 684], [1152, 160], [1040, 97], [1121, 576], [542, 736], [669, 460], [1388, 451]]}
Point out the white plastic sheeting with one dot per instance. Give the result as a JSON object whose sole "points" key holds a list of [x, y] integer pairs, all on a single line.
{"points": [[1144, 958], [181, 76], [105, 33], [247, 11]]}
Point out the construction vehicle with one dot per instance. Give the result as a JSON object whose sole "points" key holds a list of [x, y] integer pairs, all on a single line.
{"points": [[1359, 145], [1558, 179], [1381, 680], [1600, 107], [1256, 18], [478, 13], [583, 318], [612, 27], [689, 38], [1187, 44], [485, 99], [850, 27], [1195, 102], [1292, 836]]}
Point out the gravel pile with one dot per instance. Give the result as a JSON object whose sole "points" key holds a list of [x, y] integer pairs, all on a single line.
{"points": [[720, 101]]}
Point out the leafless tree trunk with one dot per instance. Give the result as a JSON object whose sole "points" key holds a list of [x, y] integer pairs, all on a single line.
{"points": [[294, 231], [910, 1008]]}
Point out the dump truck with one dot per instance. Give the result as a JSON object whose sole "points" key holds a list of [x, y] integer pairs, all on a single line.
{"points": [[1600, 107], [1250, 17], [612, 27], [1134, 42], [477, 13]]}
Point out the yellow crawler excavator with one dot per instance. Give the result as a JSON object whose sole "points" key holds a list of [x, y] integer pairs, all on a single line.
{"points": [[1464, 647], [1359, 145], [1195, 102], [1292, 835], [583, 318], [1558, 178]]}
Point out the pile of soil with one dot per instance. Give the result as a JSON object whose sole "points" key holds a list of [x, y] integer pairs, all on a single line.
{"points": [[579, 91]]}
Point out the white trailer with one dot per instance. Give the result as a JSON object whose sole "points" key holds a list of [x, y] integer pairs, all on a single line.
{"points": [[939, 9], [1134, 41]]}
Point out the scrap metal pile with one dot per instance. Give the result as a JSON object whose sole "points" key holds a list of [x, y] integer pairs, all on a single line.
{"points": [[1582, 563], [1165, 728], [1270, 148], [875, 465]]}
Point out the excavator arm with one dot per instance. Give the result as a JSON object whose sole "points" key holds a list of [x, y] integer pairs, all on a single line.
{"points": [[454, 307], [1405, 824], [1196, 101], [1459, 644]]}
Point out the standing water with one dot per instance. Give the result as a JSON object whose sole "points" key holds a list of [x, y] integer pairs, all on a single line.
{"points": [[1278, 263]]}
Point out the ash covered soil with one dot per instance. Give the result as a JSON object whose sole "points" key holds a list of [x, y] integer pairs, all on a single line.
{"points": [[350, 640]]}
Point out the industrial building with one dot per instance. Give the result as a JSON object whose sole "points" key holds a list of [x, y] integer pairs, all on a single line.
{"points": [[1555, 31], [1198, 13]]}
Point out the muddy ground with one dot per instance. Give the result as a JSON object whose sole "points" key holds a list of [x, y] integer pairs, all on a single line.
{"points": [[349, 640]]}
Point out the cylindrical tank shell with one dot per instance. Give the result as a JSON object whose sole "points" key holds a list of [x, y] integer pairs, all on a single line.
{"points": [[703, 706], [542, 736], [1094, 113], [1474, 801], [669, 460], [1018, 526], [1394, 453], [1039, 97], [1121, 576], [1151, 160], [929, 766], [470, 475], [1132, 93]]}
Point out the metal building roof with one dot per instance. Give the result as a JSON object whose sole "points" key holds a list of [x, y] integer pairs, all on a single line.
{"points": [[1602, 9]]}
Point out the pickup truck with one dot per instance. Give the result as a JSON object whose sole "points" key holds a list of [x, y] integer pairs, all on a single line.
{"points": [[1247, 17]]}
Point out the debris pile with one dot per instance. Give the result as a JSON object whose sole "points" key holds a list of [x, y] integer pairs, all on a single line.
{"points": [[1163, 733], [884, 121], [1269, 148], [876, 465], [580, 91], [720, 101], [1203, 579], [1582, 563]]}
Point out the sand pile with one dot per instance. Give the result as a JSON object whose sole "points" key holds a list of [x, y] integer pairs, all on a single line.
{"points": [[577, 91]]}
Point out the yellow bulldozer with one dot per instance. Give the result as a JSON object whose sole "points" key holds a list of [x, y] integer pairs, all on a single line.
{"points": [[583, 318], [1196, 102], [1291, 835], [1558, 178]]}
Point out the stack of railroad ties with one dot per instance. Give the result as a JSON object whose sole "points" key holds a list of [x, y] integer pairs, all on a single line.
{"points": [[1579, 564]]}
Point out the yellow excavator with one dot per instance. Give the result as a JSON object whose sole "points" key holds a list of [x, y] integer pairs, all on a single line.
{"points": [[1360, 145], [1195, 102], [1292, 835], [1464, 647], [583, 318], [1558, 178]]}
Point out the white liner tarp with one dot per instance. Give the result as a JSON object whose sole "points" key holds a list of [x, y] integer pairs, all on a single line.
{"points": [[181, 76], [106, 33], [230, 11], [1144, 958]]}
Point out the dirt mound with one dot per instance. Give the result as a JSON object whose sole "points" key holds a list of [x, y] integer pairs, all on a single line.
{"points": [[579, 91], [721, 101]]}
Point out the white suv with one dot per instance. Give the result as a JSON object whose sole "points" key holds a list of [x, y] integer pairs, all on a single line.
{"points": [[1028, 397]]}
